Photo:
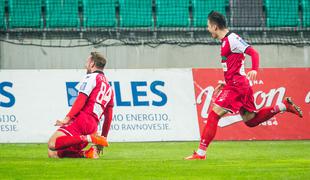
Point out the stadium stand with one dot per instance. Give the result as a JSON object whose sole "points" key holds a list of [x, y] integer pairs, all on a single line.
{"points": [[135, 13], [25, 14], [172, 13], [280, 14], [2, 14], [306, 13], [166, 21], [201, 9], [99, 13], [62, 14], [246, 13]]}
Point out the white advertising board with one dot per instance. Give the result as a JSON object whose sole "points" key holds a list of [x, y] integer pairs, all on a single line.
{"points": [[150, 104]]}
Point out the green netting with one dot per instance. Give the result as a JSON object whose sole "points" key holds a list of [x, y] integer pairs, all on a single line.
{"points": [[62, 14], [99, 13], [281, 13], [25, 14], [306, 13], [201, 9], [172, 13], [2, 14], [135, 13], [153, 21]]}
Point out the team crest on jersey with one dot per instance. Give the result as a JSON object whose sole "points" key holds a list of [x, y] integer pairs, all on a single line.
{"points": [[224, 43]]}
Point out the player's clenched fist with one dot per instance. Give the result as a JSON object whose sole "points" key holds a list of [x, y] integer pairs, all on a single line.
{"points": [[63, 122], [219, 87], [252, 75]]}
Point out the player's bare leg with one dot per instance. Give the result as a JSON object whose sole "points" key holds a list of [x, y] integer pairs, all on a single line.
{"points": [[52, 154], [252, 119], [59, 141], [52, 140], [91, 153], [208, 133]]}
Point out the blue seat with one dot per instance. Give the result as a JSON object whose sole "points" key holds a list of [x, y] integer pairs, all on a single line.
{"points": [[25, 14], [135, 13], [306, 13], [172, 13], [62, 14], [2, 14], [282, 14], [201, 9], [99, 13]]}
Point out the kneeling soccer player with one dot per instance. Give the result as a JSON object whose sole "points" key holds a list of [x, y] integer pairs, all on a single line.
{"points": [[79, 127]]}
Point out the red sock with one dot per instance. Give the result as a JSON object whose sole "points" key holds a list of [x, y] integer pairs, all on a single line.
{"points": [[70, 154], [209, 130], [67, 141], [263, 115]]}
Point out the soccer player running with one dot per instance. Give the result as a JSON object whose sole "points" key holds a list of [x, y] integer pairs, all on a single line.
{"points": [[79, 127], [236, 95]]}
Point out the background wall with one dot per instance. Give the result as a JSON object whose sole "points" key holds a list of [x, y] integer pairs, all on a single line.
{"points": [[130, 57]]}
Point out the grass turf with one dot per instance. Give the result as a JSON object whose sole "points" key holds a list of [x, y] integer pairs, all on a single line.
{"points": [[164, 160]]}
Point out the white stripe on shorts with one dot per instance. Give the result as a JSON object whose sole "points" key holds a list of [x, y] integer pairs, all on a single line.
{"points": [[66, 131]]}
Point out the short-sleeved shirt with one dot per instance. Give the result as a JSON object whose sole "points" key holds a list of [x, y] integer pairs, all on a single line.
{"points": [[232, 53], [100, 94]]}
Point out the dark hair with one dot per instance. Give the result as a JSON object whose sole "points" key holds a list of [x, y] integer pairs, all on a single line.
{"points": [[98, 59], [218, 19]]}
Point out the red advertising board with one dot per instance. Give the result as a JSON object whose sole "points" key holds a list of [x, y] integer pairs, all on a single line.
{"points": [[272, 85]]}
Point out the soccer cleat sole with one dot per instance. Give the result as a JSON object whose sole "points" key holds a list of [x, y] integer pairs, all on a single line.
{"points": [[297, 108]]}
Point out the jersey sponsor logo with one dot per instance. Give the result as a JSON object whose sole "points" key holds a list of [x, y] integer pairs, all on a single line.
{"points": [[242, 41], [82, 88], [142, 93], [7, 99]]}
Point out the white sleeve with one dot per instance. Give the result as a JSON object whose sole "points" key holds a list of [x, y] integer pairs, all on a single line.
{"points": [[88, 84], [237, 44]]}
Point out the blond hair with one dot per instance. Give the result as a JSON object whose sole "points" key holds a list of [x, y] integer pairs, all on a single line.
{"points": [[98, 59]]}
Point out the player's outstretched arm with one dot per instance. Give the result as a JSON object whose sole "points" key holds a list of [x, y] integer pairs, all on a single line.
{"points": [[76, 108], [78, 105], [63, 122], [255, 62], [108, 114]]}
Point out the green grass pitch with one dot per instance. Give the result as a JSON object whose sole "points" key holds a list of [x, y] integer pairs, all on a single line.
{"points": [[163, 160]]}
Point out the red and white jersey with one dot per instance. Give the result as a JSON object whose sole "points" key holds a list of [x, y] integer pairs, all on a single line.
{"points": [[232, 53], [100, 94]]}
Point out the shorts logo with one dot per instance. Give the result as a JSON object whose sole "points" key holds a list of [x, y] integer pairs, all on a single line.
{"points": [[72, 92]]}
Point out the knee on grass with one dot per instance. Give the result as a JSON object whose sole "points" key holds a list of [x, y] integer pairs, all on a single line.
{"points": [[51, 145], [52, 154]]}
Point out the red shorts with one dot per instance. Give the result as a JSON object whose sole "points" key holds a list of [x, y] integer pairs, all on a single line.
{"points": [[236, 99], [83, 124]]}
